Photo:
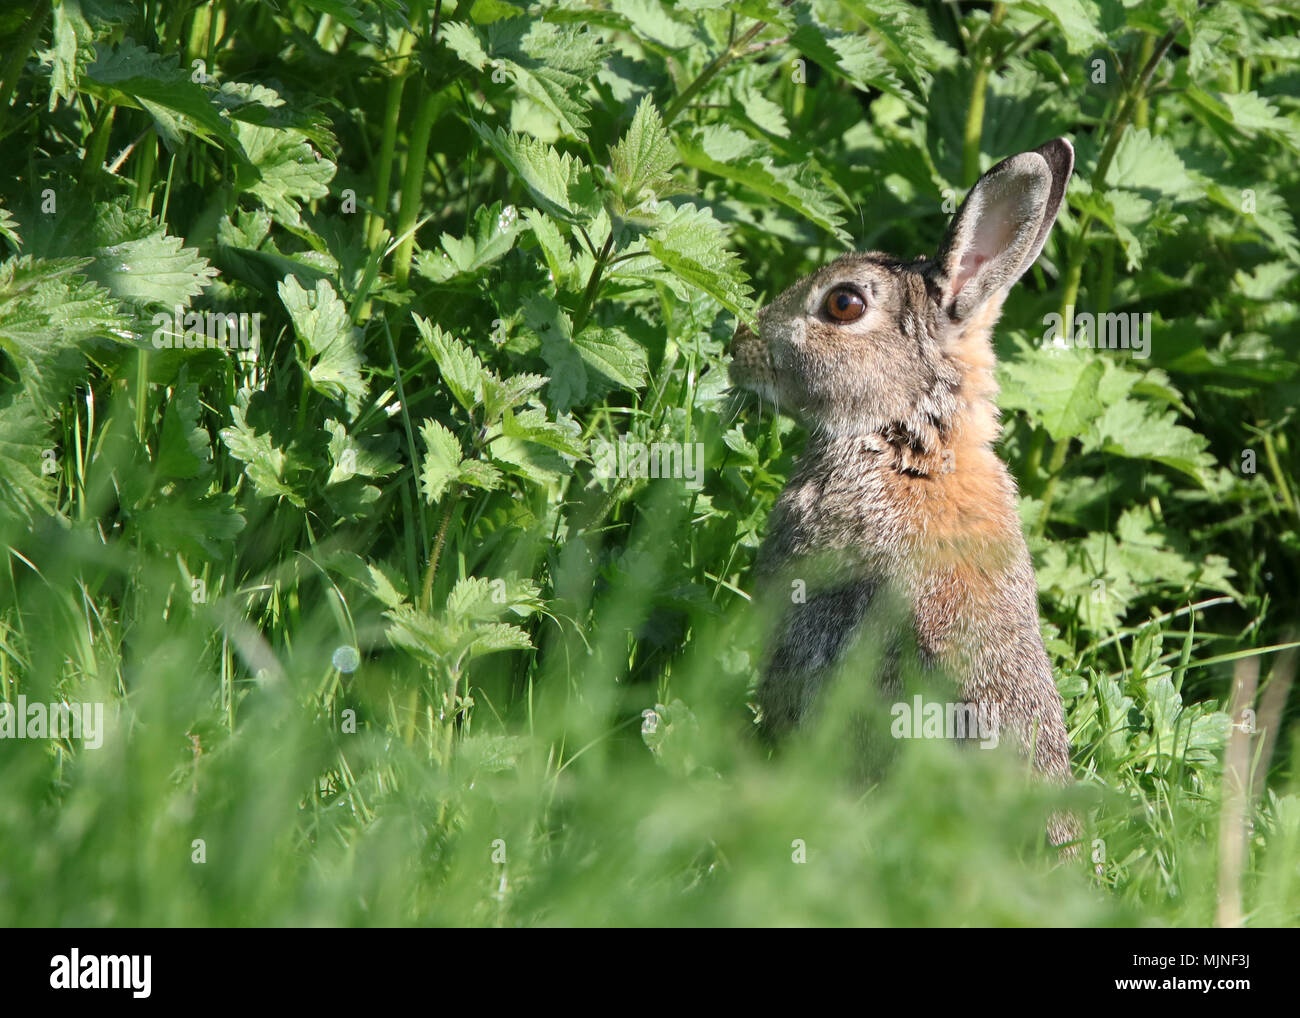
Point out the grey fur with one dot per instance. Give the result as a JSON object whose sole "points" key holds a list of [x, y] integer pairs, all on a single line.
{"points": [[899, 495]]}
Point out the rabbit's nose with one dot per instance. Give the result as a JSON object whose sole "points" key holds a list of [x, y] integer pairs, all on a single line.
{"points": [[743, 333]]}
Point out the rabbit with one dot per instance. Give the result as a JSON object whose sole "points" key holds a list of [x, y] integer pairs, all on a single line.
{"points": [[889, 365]]}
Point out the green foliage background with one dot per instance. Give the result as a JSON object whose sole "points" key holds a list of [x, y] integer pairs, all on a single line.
{"points": [[482, 236]]}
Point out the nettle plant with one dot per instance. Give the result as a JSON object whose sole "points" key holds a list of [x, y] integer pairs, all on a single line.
{"points": [[483, 237]]}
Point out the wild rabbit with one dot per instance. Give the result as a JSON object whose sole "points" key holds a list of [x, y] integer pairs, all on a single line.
{"points": [[889, 365]]}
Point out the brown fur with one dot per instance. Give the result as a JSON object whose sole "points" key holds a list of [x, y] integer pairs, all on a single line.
{"points": [[899, 489]]}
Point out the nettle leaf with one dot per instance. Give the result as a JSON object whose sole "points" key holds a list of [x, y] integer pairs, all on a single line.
{"points": [[192, 524], [1127, 214], [555, 249], [284, 171], [461, 370], [419, 633], [561, 185], [345, 12], [532, 426], [656, 22], [1079, 21], [9, 228], [528, 460], [851, 56], [643, 161], [736, 156], [442, 459], [138, 262], [1150, 164], [184, 446], [376, 457], [1057, 389], [613, 354], [47, 311], [265, 463], [264, 107], [72, 52], [494, 232], [1262, 209], [907, 37], [1137, 430], [567, 370], [480, 474], [25, 436], [161, 86], [501, 394], [551, 65], [330, 355], [1252, 114], [495, 636], [691, 244]]}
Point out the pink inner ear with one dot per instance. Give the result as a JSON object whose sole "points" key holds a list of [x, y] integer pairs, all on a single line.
{"points": [[970, 264]]}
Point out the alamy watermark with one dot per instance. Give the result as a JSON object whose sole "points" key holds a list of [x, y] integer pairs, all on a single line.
{"points": [[23, 720], [678, 460], [211, 330], [1107, 331], [921, 720]]}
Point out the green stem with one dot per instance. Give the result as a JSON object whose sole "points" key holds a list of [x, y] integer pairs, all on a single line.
{"points": [[974, 130], [97, 143], [412, 179], [1275, 468], [22, 47], [426, 594], [593, 286], [719, 62], [388, 143], [1142, 111], [145, 168], [1078, 249]]}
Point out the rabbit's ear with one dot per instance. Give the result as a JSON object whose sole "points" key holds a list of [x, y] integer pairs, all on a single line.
{"points": [[1001, 227]]}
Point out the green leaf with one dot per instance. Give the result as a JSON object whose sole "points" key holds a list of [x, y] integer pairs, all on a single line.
{"points": [[9, 228], [532, 426], [1056, 388], [905, 33], [614, 355], [159, 85], [462, 372], [692, 245], [495, 636], [442, 457], [559, 184], [283, 172], [137, 261], [548, 64], [25, 435], [735, 156], [1137, 430], [266, 464], [568, 372], [528, 460], [330, 354], [376, 456], [184, 447], [1150, 164], [47, 313], [72, 52], [494, 233], [643, 161], [1078, 22], [852, 56], [501, 394]]}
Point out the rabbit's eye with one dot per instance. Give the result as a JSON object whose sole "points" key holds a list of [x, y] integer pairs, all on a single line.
{"points": [[844, 304]]}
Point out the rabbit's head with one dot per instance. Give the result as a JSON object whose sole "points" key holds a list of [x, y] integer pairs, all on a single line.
{"points": [[875, 344]]}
